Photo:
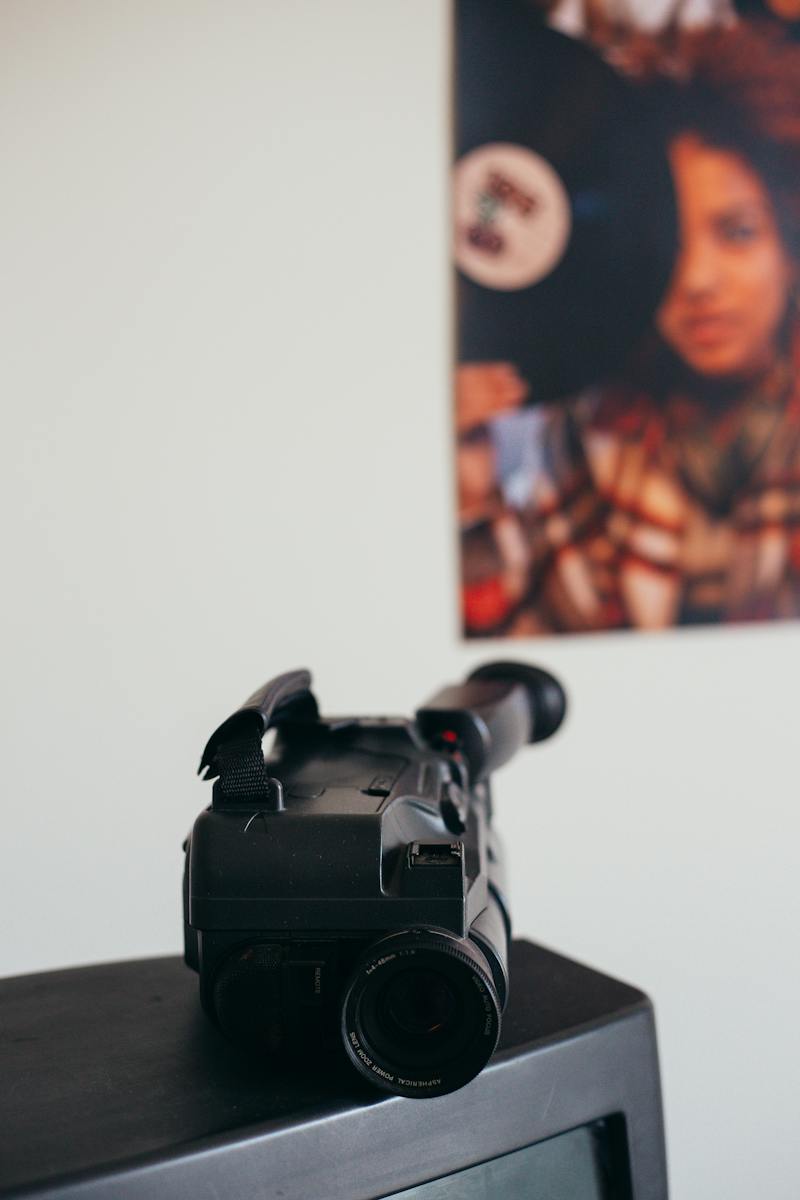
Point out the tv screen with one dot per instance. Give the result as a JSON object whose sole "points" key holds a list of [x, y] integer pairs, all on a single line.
{"points": [[588, 1163]]}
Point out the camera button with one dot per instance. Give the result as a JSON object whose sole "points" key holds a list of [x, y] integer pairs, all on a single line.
{"points": [[381, 785]]}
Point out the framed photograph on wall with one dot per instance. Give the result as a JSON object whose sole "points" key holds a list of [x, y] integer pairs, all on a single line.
{"points": [[626, 237]]}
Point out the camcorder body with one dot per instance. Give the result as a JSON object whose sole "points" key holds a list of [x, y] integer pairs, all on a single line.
{"points": [[346, 890]]}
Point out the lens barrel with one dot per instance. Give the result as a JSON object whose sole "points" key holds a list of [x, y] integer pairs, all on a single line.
{"points": [[421, 1016]]}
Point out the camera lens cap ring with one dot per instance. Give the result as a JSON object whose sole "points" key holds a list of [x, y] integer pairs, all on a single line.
{"points": [[458, 1013]]}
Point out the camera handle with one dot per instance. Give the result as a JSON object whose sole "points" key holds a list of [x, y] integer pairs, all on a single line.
{"points": [[498, 709], [233, 754]]}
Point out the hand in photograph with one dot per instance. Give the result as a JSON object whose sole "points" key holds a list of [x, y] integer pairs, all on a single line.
{"points": [[484, 390]]}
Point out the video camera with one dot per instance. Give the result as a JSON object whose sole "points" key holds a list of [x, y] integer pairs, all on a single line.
{"points": [[347, 890]]}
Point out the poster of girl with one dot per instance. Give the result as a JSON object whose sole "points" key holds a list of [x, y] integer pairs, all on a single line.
{"points": [[665, 490]]}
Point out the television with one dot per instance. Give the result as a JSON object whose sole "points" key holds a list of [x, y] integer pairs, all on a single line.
{"points": [[116, 1085]]}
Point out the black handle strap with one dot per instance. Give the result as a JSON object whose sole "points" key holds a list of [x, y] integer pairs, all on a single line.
{"points": [[233, 752]]}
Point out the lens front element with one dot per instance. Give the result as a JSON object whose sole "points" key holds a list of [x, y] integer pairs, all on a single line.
{"points": [[418, 1005], [421, 1016]]}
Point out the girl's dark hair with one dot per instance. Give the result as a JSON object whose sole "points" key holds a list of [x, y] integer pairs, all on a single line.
{"points": [[740, 91]]}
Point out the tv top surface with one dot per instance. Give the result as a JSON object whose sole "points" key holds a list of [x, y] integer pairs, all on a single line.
{"points": [[114, 1080]]}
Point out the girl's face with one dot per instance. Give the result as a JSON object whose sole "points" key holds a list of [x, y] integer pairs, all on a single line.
{"points": [[731, 284]]}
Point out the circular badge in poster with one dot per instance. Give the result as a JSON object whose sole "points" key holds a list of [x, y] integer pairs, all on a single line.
{"points": [[512, 216], [567, 304]]}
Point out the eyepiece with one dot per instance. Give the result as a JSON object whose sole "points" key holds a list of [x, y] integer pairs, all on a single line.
{"points": [[421, 1015]]}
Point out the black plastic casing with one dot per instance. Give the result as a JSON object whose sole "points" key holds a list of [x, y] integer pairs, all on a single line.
{"points": [[347, 891], [368, 843]]}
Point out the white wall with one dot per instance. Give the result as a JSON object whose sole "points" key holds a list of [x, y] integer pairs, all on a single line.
{"points": [[226, 453]]}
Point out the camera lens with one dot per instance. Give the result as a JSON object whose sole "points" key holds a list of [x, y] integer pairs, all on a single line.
{"points": [[421, 1016], [418, 1004]]}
